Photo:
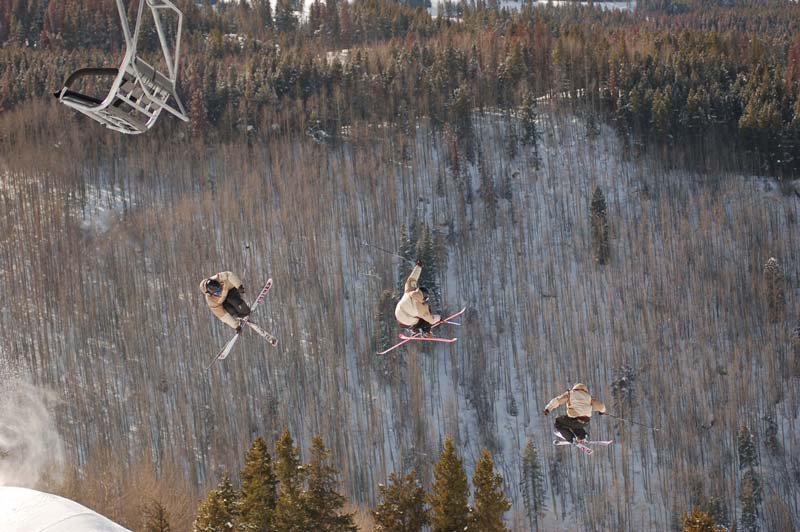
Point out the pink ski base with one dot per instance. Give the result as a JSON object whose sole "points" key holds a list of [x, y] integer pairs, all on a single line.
{"points": [[415, 337], [428, 339]]}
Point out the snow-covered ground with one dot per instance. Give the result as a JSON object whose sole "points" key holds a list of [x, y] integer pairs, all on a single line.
{"points": [[27, 510]]}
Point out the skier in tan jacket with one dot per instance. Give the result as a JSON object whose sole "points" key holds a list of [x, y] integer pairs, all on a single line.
{"points": [[412, 311], [223, 292], [580, 406]]}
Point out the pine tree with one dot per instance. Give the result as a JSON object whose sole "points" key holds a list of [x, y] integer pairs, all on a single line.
{"points": [[530, 131], [156, 518], [216, 512], [750, 494], [285, 19], [488, 190], [409, 236], [747, 448], [751, 497], [771, 429], [426, 252], [322, 502], [259, 494], [449, 496], [403, 508], [796, 349], [699, 521], [290, 512], [600, 246], [532, 484], [776, 299], [384, 320], [490, 501]]}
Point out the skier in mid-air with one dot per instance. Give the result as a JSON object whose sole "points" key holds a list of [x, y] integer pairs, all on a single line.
{"points": [[580, 405], [412, 311], [223, 292]]}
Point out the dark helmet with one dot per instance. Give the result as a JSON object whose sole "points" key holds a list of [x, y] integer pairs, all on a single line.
{"points": [[213, 287]]}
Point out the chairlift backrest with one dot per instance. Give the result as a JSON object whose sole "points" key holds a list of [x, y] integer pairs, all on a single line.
{"points": [[139, 91]]}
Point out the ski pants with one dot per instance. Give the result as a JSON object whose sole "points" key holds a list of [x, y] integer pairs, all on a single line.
{"points": [[235, 305], [572, 427], [422, 326]]}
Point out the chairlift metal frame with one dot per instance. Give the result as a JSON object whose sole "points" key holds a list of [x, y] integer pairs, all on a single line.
{"points": [[139, 92]]}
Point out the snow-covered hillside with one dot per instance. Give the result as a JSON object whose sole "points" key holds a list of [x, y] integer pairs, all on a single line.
{"points": [[676, 316], [27, 510]]}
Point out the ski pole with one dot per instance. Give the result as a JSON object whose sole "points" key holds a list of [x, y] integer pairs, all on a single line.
{"points": [[630, 421], [387, 251]]}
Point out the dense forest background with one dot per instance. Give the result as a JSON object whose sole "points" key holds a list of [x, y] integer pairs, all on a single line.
{"points": [[611, 194]]}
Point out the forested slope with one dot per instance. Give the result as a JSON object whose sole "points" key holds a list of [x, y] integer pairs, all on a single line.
{"points": [[679, 312]]}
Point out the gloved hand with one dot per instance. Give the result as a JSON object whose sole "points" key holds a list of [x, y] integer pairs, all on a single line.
{"points": [[602, 413], [546, 411], [419, 263], [241, 289]]}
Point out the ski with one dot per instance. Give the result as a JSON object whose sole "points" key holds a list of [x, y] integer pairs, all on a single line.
{"points": [[261, 332], [226, 350], [410, 338], [602, 442], [428, 339], [580, 446]]}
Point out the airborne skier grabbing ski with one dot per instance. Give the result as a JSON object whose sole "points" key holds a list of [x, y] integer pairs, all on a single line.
{"points": [[580, 405], [223, 293], [412, 311]]}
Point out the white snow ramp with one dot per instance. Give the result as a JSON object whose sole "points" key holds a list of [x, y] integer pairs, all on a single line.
{"points": [[26, 510]]}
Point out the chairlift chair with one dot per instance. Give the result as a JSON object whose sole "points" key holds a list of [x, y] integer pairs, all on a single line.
{"points": [[139, 92]]}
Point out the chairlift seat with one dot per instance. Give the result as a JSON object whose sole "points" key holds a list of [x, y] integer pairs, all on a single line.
{"points": [[139, 91]]}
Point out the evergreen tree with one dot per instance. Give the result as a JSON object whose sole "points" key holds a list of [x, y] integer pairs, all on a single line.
{"points": [[600, 245], [488, 190], [747, 448], [796, 351], [322, 502], [156, 518], [403, 508], [263, 13], [384, 320], [532, 484], [776, 299], [530, 131], [771, 429], [449, 496], [490, 501], [290, 512], [409, 236], [699, 521], [285, 19], [461, 114], [259, 494], [426, 252], [216, 512], [750, 494], [751, 497]]}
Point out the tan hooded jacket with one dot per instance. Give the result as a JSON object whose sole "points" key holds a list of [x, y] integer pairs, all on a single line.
{"points": [[412, 307], [579, 402], [228, 280]]}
